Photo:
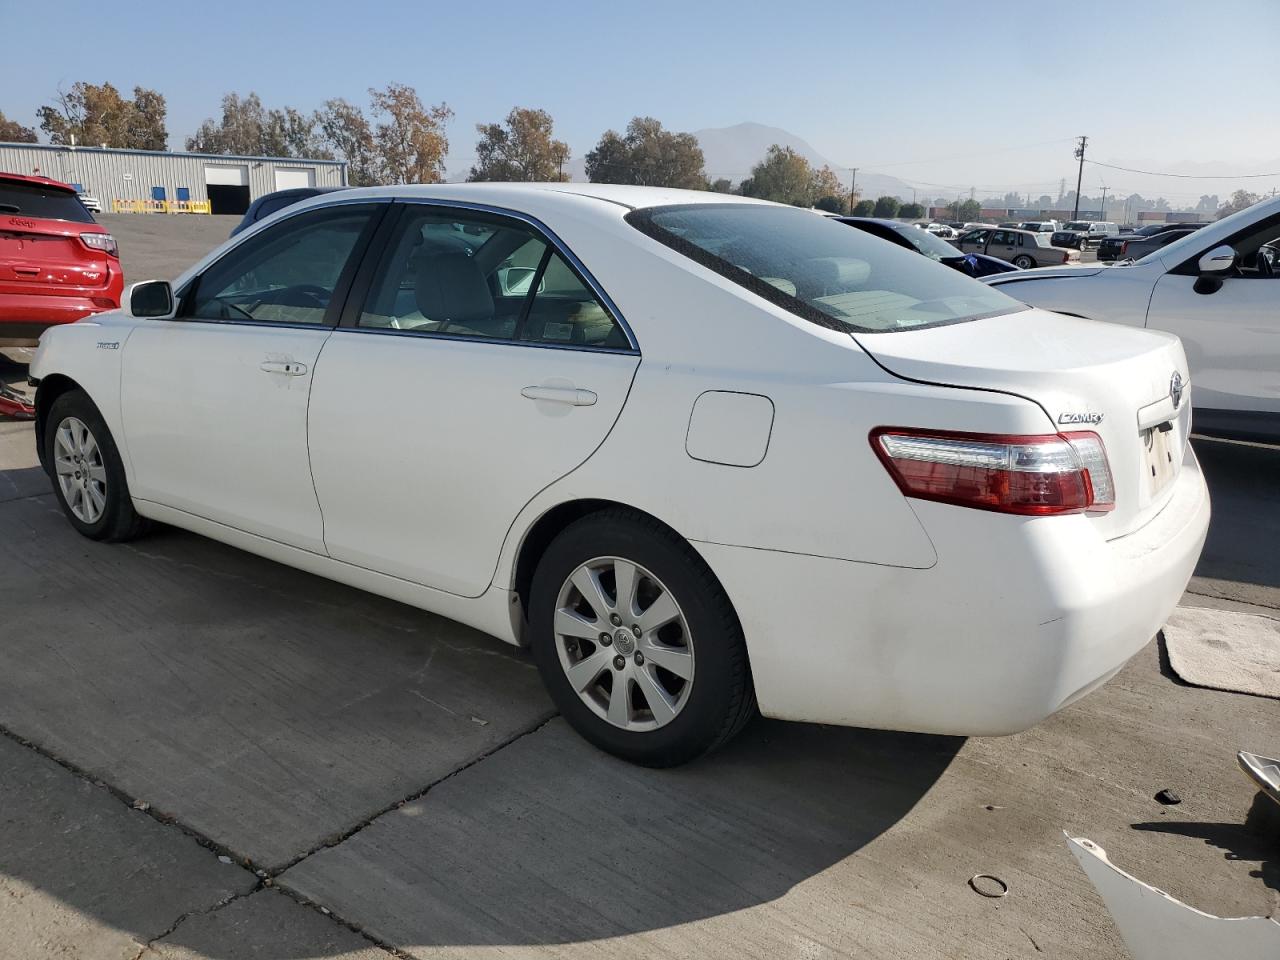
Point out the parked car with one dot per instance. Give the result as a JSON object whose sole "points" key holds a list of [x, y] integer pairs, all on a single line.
{"points": [[1083, 234], [1216, 287], [90, 203], [1023, 248], [712, 452], [1039, 226], [933, 247], [1143, 241], [56, 264], [940, 230], [271, 203]]}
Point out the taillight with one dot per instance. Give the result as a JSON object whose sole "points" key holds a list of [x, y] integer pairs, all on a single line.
{"points": [[1124, 247], [1066, 257], [1040, 475], [104, 242]]}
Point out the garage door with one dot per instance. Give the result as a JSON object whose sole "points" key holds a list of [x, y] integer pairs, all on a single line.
{"points": [[227, 175], [227, 186], [287, 179]]}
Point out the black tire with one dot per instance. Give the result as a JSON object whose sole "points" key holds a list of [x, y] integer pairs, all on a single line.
{"points": [[722, 698], [118, 520], [1023, 262]]}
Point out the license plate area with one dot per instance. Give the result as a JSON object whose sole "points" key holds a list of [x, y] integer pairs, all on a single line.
{"points": [[1159, 445]]}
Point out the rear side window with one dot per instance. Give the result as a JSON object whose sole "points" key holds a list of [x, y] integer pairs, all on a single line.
{"points": [[42, 203], [478, 275], [819, 269]]}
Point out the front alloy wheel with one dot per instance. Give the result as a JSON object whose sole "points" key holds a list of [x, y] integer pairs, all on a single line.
{"points": [[81, 472], [624, 644]]}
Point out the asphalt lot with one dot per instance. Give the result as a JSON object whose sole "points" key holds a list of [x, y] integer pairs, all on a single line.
{"points": [[207, 755]]}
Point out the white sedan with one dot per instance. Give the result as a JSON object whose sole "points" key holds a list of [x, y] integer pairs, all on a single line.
{"points": [[698, 451], [1218, 289]]}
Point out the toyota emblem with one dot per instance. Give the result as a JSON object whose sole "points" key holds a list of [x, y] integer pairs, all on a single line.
{"points": [[1175, 389]]}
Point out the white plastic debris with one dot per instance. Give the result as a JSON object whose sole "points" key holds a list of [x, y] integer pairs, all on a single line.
{"points": [[1155, 926]]}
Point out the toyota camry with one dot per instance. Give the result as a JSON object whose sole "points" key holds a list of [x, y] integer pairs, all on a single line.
{"points": [[700, 453]]}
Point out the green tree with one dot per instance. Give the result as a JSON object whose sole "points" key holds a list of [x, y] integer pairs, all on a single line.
{"points": [[246, 128], [410, 137], [887, 207], [91, 114], [349, 135], [523, 150], [11, 131], [722, 185], [782, 176], [913, 210], [828, 193], [1240, 200], [864, 208], [969, 210], [647, 155]]}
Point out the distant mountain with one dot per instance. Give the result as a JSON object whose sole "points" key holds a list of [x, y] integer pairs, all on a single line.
{"points": [[731, 152]]}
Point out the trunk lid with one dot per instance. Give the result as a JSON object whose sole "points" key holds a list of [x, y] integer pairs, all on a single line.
{"points": [[1113, 380], [40, 247]]}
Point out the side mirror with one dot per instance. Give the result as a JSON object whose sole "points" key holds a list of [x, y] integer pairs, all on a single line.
{"points": [[1217, 261], [151, 298]]}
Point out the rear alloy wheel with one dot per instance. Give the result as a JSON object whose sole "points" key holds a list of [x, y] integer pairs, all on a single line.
{"points": [[87, 473], [1023, 262], [637, 642]]}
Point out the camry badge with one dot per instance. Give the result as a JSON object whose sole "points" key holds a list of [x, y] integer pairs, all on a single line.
{"points": [[1079, 418], [1175, 389]]}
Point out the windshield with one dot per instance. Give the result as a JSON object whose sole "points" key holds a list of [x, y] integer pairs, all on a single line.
{"points": [[819, 269], [931, 245]]}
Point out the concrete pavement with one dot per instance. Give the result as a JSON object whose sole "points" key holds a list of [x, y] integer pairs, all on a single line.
{"points": [[395, 779]]}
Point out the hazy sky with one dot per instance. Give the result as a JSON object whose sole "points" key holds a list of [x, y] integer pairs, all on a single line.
{"points": [[978, 93]]}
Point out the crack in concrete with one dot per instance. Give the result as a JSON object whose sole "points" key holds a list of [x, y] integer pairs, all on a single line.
{"points": [[336, 839], [267, 879]]}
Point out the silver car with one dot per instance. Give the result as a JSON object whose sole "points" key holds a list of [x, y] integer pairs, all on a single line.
{"points": [[1023, 248]]}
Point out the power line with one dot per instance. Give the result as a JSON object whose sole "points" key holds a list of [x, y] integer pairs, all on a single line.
{"points": [[1188, 176], [966, 156]]}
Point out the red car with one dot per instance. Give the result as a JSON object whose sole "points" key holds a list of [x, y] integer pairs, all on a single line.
{"points": [[56, 264]]}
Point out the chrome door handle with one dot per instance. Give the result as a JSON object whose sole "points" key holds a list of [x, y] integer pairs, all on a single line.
{"points": [[574, 396], [288, 368]]}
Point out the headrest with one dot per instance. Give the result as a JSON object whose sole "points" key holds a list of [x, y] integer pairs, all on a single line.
{"points": [[450, 286]]}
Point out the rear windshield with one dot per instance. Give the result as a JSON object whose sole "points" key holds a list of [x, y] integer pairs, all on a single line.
{"points": [[42, 203], [819, 269]]}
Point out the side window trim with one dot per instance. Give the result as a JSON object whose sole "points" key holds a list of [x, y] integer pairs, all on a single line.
{"points": [[532, 295], [359, 295], [341, 291]]}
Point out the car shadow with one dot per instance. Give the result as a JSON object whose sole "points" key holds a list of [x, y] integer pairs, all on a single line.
{"points": [[1244, 484], [1258, 838], [551, 842]]}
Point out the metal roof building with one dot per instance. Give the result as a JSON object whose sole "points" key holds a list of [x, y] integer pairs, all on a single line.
{"points": [[228, 183]]}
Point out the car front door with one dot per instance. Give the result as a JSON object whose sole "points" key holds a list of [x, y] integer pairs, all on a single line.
{"points": [[1230, 327], [476, 363], [975, 241], [214, 401]]}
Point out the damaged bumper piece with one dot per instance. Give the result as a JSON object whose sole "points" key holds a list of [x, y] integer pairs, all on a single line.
{"points": [[1155, 926], [15, 405], [1263, 771]]}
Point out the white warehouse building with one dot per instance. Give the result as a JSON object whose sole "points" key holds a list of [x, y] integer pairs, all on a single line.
{"points": [[228, 183]]}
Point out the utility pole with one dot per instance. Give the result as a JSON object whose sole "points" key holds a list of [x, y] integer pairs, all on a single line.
{"points": [[1104, 202], [853, 188], [1081, 143]]}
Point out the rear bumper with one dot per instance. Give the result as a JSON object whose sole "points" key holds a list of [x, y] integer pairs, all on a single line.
{"points": [[23, 318], [1019, 617]]}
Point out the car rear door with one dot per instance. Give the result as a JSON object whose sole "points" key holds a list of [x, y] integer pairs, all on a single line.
{"points": [[476, 363], [1003, 244], [214, 401]]}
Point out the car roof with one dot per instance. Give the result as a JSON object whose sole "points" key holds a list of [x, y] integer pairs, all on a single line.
{"points": [[499, 193], [36, 181]]}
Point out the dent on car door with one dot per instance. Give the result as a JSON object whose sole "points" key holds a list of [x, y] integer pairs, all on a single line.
{"points": [[475, 365], [214, 401], [1230, 326]]}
